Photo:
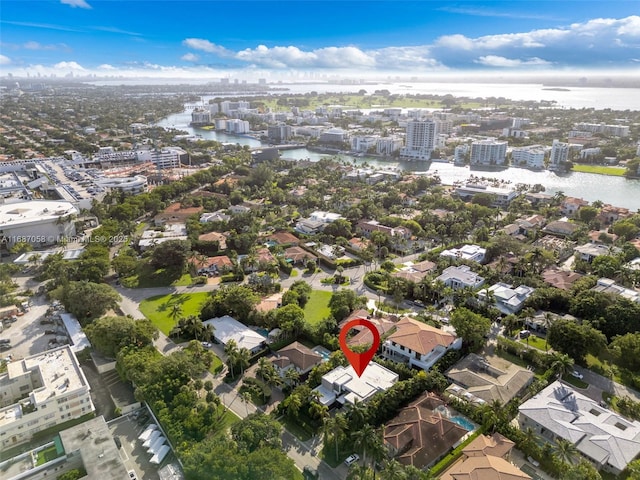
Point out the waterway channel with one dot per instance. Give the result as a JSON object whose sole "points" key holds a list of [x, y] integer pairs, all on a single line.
{"points": [[617, 191]]}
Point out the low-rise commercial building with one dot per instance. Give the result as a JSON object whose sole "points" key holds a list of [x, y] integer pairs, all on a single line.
{"points": [[37, 222]]}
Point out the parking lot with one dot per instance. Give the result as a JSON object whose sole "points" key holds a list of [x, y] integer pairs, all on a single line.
{"points": [[27, 335], [134, 456]]}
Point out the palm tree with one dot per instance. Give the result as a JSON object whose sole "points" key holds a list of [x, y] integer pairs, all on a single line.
{"points": [[366, 440], [319, 411], [263, 367], [292, 376], [565, 450], [176, 312], [336, 427], [562, 364], [356, 413], [231, 351], [245, 396], [547, 320], [392, 470], [243, 359]]}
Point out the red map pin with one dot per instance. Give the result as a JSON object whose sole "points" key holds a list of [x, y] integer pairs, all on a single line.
{"points": [[359, 361]]}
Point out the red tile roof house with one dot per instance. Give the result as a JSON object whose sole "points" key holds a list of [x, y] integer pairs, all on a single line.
{"points": [[421, 434], [212, 265], [296, 356], [283, 238]]}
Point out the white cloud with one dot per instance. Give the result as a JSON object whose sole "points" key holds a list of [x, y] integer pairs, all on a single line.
{"points": [[293, 57], [497, 61], [69, 66], [205, 46], [4, 60], [76, 3], [39, 46], [190, 57], [106, 66]]}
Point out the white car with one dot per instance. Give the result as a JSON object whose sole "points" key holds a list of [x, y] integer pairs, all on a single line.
{"points": [[351, 459], [206, 344], [577, 374], [132, 475]]}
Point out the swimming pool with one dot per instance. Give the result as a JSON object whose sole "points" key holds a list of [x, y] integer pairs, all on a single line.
{"points": [[323, 352], [463, 422], [263, 331]]}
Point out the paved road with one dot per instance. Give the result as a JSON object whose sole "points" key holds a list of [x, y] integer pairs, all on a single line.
{"points": [[607, 385]]}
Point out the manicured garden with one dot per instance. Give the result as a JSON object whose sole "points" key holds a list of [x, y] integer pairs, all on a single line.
{"points": [[160, 309], [317, 308], [148, 277]]}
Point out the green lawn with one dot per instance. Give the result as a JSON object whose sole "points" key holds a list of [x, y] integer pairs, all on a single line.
{"points": [[534, 341], [46, 455], [317, 308], [158, 309], [295, 428], [216, 365], [599, 169], [576, 382], [148, 277]]}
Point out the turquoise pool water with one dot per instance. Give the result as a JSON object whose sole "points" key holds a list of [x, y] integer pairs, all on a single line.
{"points": [[263, 331], [463, 422]]}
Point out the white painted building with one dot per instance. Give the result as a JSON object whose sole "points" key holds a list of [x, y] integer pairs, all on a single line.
{"points": [[136, 184], [473, 253], [606, 438], [228, 328], [457, 277], [239, 127], [418, 344], [502, 197], [389, 145], [362, 143], [488, 152], [38, 222], [343, 385], [506, 298], [420, 140], [530, 157], [559, 155], [40, 392]]}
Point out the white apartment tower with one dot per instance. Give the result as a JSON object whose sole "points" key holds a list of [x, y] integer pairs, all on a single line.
{"points": [[420, 140], [488, 152], [559, 155]]}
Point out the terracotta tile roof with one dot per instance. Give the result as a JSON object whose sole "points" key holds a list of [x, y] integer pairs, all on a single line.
{"points": [[221, 261], [301, 356], [284, 238], [560, 278], [177, 208], [418, 435], [496, 445], [420, 337], [298, 254], [484, 468]]}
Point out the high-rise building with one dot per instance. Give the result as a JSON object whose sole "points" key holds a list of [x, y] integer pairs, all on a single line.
{"points": [[559, 155], [279, 133], [488, 152], [420, 140], [531, 156]]}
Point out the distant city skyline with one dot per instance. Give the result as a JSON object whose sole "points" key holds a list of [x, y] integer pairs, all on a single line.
{"points": [[276, 39]]}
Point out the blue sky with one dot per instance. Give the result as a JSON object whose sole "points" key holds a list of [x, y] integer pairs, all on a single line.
{"points": [[167, 38]]}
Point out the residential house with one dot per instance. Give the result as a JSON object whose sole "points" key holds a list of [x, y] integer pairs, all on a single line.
{"points": [[460, 277], [174, 213], [418, 344], [602, 237], [589, 251], [561, 228], [172, 231], [298, 255], [561, 279], [606, 438], [358, 244], [422, 432], [296, 357], [485, 458], [606, 285], [239, 209], [416, 272], [538, 198], [506, 298], [473, 253], [342, 384], [284, 239], [610, 214], [363, 335], [571, 205], [212, 265], [502, 197], [228, 328], [221, 238], [309, 227], [217, 216], [488, 378], [367, 227]]}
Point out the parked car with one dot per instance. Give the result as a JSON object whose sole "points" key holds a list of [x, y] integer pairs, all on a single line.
{"points": [[206, 344], [351, 459], [310, 473], [132, 475], [49, 332], [118, 442], [4, 341], [577, 374], [525, 334]]}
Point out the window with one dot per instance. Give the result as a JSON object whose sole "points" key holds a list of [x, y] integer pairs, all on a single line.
{"points": [[24, 387]]}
